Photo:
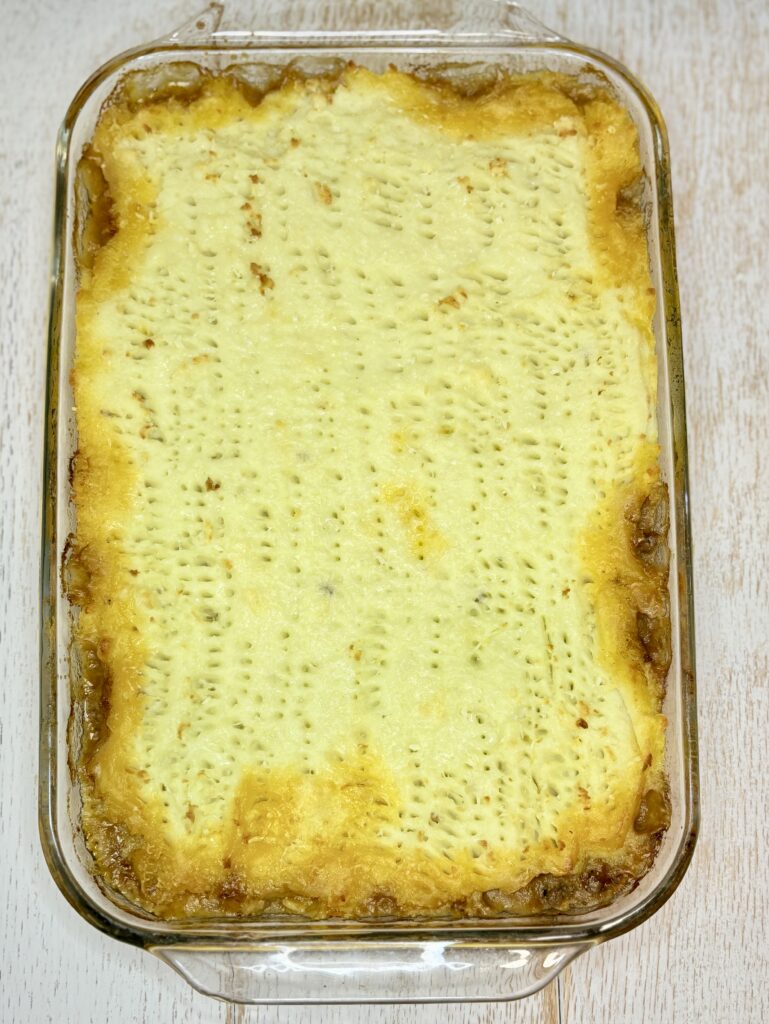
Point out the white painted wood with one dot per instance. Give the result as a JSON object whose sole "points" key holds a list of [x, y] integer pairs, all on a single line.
{"points": [[704, 957]]}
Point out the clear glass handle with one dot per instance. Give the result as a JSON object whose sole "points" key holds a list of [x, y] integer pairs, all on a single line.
{"points": [[370, 972], [517, 22], [461, 19], [200, 28]]}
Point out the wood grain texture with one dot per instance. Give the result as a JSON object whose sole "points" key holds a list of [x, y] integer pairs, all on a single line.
{"points": [[699, 958], [704, 956]]}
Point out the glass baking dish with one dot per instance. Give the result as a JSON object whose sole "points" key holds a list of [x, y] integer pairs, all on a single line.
{"points": [[298, 961]]}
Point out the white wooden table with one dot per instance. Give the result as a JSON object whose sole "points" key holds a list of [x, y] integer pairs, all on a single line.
{"points": [[703, 957]]}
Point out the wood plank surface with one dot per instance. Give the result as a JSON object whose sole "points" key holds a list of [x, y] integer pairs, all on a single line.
{"points": [[704, 957]]}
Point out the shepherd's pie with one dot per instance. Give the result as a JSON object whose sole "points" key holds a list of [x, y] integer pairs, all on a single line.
{"points": [[370, 553]]}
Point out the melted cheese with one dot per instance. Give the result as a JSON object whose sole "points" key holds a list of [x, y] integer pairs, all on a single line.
{"points": [[365, 385]]}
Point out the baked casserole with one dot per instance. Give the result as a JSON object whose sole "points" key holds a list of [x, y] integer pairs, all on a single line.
{"points": [[370, 555]]}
